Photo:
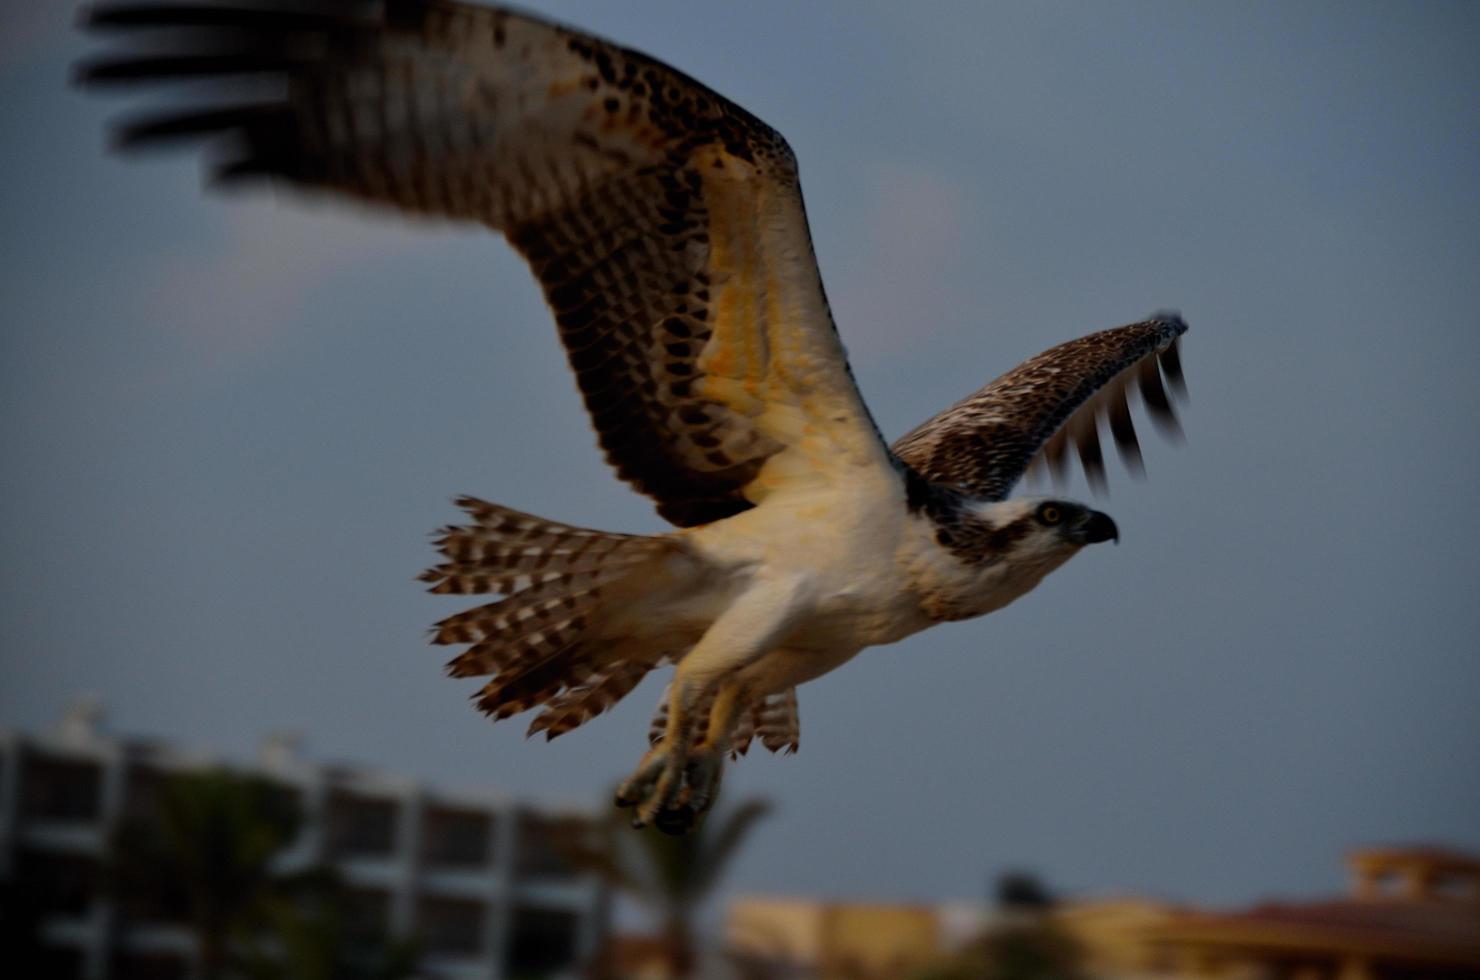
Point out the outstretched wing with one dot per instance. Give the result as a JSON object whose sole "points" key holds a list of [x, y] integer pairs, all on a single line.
{"points": [[664, 223], [984, 443]]}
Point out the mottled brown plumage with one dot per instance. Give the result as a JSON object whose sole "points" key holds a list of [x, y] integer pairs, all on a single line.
{"points": [[602, 166], [983, 444]]}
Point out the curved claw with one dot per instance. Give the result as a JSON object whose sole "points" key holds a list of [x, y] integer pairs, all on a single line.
{"points": [[664, 792], [671, 792], [678, 820], [703, 776], [654, 786], [637, 787]]}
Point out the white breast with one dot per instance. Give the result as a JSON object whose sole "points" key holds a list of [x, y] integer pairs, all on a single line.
{"points": [[842, 543]]}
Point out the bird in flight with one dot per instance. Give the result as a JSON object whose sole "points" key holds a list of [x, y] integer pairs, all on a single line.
{"points": [[666, 228]]}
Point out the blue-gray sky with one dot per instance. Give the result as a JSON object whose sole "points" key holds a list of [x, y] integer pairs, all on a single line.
{"points": [[228, 426]]}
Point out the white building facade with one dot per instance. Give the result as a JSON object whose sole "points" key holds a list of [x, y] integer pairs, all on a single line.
{"points": [[478, 881]]}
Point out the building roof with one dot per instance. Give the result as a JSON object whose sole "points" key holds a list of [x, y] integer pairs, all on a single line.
{"points": [[1428, 931], [1438, 857]]}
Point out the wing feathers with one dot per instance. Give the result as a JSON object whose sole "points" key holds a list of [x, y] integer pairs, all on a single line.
{"points": [[664, 223], [1154, 396], [1123, 428], [156, 128], [1171, 366], [1029, 417], [124, 71], [1087, 442], [131, 16]]}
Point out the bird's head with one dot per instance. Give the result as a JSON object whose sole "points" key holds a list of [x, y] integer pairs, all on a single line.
{"points": [[1012, 545], [1042, 532]]}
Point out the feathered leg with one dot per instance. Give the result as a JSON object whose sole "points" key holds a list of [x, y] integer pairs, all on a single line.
{"points": [[654, 788], [724, 708], [746, 631], [707, 765]]}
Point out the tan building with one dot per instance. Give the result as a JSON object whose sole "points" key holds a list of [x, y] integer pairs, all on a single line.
{"points": [[1413, 913], [1112, 934], [834, 940]]}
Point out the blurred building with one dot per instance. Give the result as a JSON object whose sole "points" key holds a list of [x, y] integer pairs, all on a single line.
{"points": [[808, 938], [478, 880], [1412, 913], [837, 940]]}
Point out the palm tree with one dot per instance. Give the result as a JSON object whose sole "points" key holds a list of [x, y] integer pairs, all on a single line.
{"points": [[314, 938], [205, 854], [671, 875]]}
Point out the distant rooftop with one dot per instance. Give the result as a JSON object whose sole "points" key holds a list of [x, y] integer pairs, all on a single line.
{"points": [[1419, 872], [1413, 904]]}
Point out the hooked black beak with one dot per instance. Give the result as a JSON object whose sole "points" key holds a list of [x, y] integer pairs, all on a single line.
{"points": [[1097, 527]]}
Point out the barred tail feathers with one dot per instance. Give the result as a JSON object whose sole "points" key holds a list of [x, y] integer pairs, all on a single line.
{"points": [[577, 705], [536, 643]]}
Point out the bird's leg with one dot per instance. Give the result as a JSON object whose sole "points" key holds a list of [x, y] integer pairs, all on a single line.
{"points": [[659, 775], [639, 786], [707, 762], [699, 775], [664, 804], [745, 631]]}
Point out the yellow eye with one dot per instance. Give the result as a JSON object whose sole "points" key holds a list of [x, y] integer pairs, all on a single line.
{"points": [[1049, 514]]}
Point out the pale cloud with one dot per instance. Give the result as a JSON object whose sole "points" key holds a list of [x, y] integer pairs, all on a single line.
{"points": [[30, 30], [235, 298], [902, 284]]}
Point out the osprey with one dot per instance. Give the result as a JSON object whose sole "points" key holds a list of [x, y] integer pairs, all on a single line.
{"points": [[665, 225]]}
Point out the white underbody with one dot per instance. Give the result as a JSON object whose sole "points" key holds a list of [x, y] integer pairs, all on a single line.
{"points": [[794, 588]]}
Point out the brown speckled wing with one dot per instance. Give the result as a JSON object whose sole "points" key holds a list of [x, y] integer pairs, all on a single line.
{"points": [[664, 223], [1033, 414]]}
